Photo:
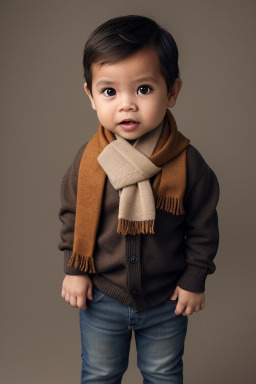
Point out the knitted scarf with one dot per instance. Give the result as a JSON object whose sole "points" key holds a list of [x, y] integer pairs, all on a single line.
{"points": [[160, 153]]}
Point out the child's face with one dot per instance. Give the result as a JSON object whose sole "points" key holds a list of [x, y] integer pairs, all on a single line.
{"points": [[133, 88]]}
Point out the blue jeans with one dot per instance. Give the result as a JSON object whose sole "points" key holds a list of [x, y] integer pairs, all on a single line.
{"points": [[106, 329]]}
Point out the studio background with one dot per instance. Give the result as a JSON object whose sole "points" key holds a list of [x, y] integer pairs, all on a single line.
{"points": [[46, 117]]}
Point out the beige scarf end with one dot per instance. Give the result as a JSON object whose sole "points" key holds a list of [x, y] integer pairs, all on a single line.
{"points": [[171, 204], [84, 263], [135, 227]]}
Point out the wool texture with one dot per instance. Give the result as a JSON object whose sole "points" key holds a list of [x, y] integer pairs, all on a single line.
{"points": [[129, 170], [160, 153]]}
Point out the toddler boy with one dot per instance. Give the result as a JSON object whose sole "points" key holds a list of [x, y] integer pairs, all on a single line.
{"points": [[140, 226]]}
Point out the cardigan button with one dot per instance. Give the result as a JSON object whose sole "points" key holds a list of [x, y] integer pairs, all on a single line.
{"points": [[135, 291], [134, 259]]}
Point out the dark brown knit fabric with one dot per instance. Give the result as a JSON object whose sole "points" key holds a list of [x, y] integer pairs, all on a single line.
{"points": [[166, 192], [143, 270]]}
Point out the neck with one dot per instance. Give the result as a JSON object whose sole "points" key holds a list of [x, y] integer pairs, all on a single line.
{"points": [[131, 141]]}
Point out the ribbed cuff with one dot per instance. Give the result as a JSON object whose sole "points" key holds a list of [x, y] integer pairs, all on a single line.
{"points": [[193, 279], [71, 270]]}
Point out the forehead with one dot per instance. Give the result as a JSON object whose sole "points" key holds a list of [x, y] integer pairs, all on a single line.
{"points": [[143, 63]]}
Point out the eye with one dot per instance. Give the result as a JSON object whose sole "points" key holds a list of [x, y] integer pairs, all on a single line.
{"points": [[144, 89], [109, 92]]}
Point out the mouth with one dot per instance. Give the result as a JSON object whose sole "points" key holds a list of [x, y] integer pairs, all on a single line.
{"points": [[129, 124], [129, 121]]}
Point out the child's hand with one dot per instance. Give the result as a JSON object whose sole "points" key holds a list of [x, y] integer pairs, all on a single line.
{"points": [[188, 302], [76, 289]]}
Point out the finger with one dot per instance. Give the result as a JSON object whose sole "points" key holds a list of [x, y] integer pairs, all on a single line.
{"points": [[174, 294], [63, 293], [188, 311], [67, 297], [89, 292], [81, 302], [73, 301], [197, 308], [179, 308]]}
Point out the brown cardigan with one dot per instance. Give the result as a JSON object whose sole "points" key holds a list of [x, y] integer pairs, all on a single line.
{"points": [[142, 271]]}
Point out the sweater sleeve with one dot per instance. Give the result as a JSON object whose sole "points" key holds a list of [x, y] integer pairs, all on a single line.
{"points": [[67, 212], [201, 231]]}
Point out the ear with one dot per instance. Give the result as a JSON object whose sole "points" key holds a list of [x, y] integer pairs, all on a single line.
{"points": [[173, 94], [90, 96]]}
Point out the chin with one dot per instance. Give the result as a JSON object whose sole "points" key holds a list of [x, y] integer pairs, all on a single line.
{"points": [[127, 135], [130, 137]]}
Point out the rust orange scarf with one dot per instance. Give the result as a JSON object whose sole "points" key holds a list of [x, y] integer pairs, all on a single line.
{"points": [[168, 186]]}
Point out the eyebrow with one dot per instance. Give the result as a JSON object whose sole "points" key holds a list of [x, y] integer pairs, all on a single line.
{"points": [[140, 80]]}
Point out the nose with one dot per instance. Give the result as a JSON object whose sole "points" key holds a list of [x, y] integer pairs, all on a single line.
{"points": [[127, 104]]}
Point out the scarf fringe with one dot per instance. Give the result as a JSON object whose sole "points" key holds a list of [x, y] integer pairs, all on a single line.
{"points": [[170, 204], [84, 263], [135, 227]]}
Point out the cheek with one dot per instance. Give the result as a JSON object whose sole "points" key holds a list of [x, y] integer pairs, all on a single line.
{"points": [[154, 109], [105, 113]]}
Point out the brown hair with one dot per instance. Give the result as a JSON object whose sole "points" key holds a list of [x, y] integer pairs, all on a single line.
{"points": [[121, 36]]}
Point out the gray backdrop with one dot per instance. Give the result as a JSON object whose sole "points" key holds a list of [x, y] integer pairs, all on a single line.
{"points": [[46, 117]]}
